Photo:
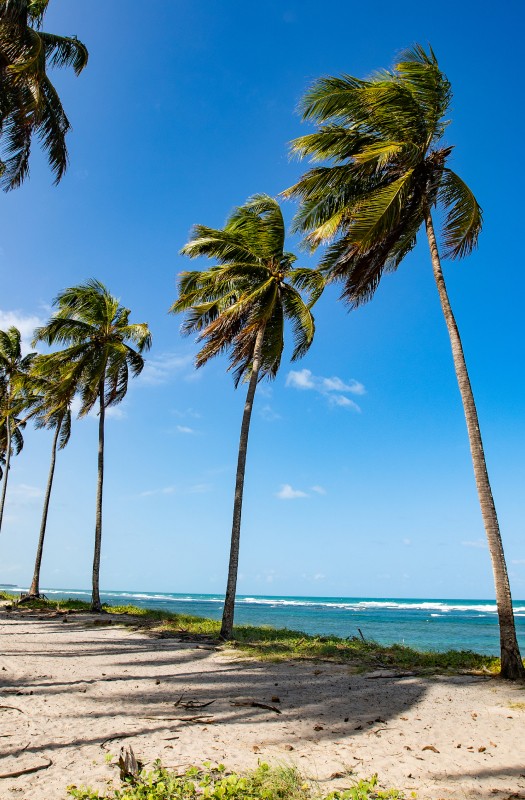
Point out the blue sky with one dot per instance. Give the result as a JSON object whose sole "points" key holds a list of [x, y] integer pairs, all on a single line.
{"points": [[359, 481]]}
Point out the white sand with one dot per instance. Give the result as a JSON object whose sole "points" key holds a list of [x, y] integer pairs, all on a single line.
{"points": [[76, 686]]}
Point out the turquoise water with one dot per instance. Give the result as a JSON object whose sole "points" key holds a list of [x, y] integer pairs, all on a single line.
{"points": [[417, 622]]}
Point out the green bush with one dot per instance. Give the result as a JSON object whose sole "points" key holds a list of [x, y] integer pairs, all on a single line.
{"points": [[264, 783]]}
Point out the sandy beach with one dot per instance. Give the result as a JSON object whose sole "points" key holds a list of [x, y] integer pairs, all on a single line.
{"points": [[73, 692]]}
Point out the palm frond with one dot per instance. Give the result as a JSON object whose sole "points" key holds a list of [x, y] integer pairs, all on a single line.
{"points": [[464, 217]]}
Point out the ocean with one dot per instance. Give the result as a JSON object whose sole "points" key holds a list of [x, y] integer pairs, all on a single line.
{"points": [[422, 623]]}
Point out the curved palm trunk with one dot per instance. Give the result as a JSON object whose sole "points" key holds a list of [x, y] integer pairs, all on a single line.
{"points": [[34, 590], [96, 605], [6, 469], [511, 663], [231, 588]]}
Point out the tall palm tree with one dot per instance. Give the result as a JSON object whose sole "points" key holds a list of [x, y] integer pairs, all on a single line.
{"points": [[51, 409], [383, 138], [96, 361], [29, 103], [14, 371], [240, 306]]}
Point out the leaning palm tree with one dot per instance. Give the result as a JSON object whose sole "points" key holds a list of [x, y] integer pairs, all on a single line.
{"points": [[240, 306], [96, 361], [387, 170], [29, 103], [14, 371], [50, 409]]}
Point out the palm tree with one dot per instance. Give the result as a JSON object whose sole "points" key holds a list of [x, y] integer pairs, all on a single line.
{"points": [[51, 410], [388, 170], [29, 103], [240, 306], [96, 362], [14, 371]]}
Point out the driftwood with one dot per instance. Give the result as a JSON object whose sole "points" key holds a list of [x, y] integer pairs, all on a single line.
{"points": [[192, 703], [255, 704], [26, 771], [116, 737], [129, 766], [196, 718], [14, 708]]}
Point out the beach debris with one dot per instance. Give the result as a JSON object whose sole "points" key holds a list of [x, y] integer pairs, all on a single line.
{"points": [[481, 749], [192, 703], [255, 704], [204, 718], [430, 747], [12, 708], [275, 699], [27, 770], [474, 715], [358, 728], [129, 766], [388, 673], [361, 635], [288, 747], [256, 748], [318, 728]]}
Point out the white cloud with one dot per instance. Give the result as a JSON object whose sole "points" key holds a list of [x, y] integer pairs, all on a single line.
{"points": [[115, 412], [480, 543], [162, 368], [300, 379], [184, 429], [267, 413], [518, 561], [337, 385], [26, 324], [344, 402], [333, 388], [287, 493], [21, 494], [318, 489]]}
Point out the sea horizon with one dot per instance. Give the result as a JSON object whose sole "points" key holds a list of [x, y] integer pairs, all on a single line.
{"points": [[426, 623]]}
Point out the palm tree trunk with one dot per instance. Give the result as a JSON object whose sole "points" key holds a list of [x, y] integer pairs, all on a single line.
{"points": [[96, 605], [6, 469], [34, 590], [231, 588], [511, 664]]}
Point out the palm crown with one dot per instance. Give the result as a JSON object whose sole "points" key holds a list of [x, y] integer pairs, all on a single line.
{"points": [[383, 137], [254, 287], [96, 330], [29, 103]]}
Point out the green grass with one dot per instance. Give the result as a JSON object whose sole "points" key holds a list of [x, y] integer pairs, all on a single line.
{"points": [[264, 783], [279, 644]]}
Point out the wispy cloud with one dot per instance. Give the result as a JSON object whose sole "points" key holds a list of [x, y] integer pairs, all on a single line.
{"points": [[518, 561], [164, 367], [267, 413], [287, 493], [21, 494], [26, 324], [184, 429], [318, 489], [197, 488], [479, 543], [334, 389]]}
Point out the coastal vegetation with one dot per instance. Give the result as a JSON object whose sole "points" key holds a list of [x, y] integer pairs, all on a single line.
{"points": [[387, 170], [241, 306], [279, 782], [265, 642], [29, 103], [94, 364], [380, 175]]}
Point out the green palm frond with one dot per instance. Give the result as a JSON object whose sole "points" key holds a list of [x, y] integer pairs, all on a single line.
{"points": [[380, 212], [464, 217], [243, 296]]}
